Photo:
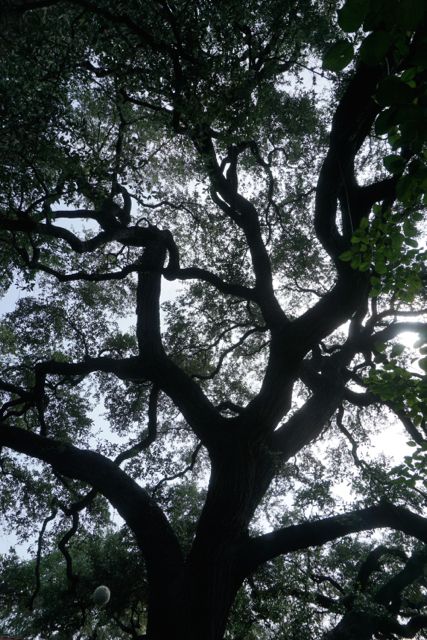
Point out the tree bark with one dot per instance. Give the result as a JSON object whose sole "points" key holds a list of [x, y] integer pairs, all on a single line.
{"points": [[214, 571]]}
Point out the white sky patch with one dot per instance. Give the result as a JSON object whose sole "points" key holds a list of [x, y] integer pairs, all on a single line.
{"points": [[393, 442], [9, 300]]}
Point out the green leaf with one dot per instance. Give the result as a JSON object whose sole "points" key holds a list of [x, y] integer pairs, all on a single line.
{"points": [[397, 350], [379, 346], [380, 267], [394, 164], [352, 15], [346, 256], [409, 74], [406, 189], [409, 229], [356, 261], [411, 242], [385, 121], [375, 47], [392, 91], [423, 364], [338, 56]]}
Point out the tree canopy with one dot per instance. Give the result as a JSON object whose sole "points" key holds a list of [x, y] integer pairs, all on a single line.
{"points": [[214, 216]]}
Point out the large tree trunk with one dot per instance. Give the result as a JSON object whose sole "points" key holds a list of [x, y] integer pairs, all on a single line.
{"points": [[200, 607], [213, 570]]}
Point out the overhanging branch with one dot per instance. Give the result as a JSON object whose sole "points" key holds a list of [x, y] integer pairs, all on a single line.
{"points": [[315, 533], [141, 513]]}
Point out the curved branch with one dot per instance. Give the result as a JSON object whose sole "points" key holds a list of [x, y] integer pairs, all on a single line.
{"points": [[27, 225], [360, 399], [197, 273], [226, 352], [151, 431], [152, 531], [372, 564], [179, 474], [354, 446], [134, 236], [201, 415], [408, 424], [352, 121], [308, 422], [224, 193], [413, 569], [393, 330], [46, 521], [63, 547], [315, 533]]}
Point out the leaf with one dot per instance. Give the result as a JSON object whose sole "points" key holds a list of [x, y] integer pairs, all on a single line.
{"points": [[411, 242], [338, 56], [380, 267], [385, 121], [356, 261], [409, 229], [397, 350], [406, 189], [423, 364], [392, 91], [394, 164], [379, 346], [381, 14], [375, 47], [352, 15], [346, 256]]}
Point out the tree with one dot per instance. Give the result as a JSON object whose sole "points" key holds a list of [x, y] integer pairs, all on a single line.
{"points": [[188, 142]]}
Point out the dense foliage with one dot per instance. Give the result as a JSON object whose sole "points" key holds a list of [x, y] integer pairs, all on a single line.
{"points": [[212, 238]]}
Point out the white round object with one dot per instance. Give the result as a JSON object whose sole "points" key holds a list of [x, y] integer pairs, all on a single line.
{"points": [[101, 595]]}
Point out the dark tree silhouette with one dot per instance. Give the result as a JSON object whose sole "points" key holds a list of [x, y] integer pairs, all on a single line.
{"points": [[187, 142]]}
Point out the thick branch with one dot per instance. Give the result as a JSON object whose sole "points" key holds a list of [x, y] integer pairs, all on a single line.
{"points": [[308, 422], [310, 534], [148, 301], [197, 273], [188, 396], [397, 328], [351, 123], [147, 521], [225, 194], [132, 236], [413, 570]]}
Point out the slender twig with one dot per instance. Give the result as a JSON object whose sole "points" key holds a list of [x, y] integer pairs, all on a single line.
{"points": [[46, 521], [179, 474]]}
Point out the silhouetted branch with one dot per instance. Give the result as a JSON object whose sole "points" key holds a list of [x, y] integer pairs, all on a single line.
{"points": [[315, 533], [46, 521]]}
